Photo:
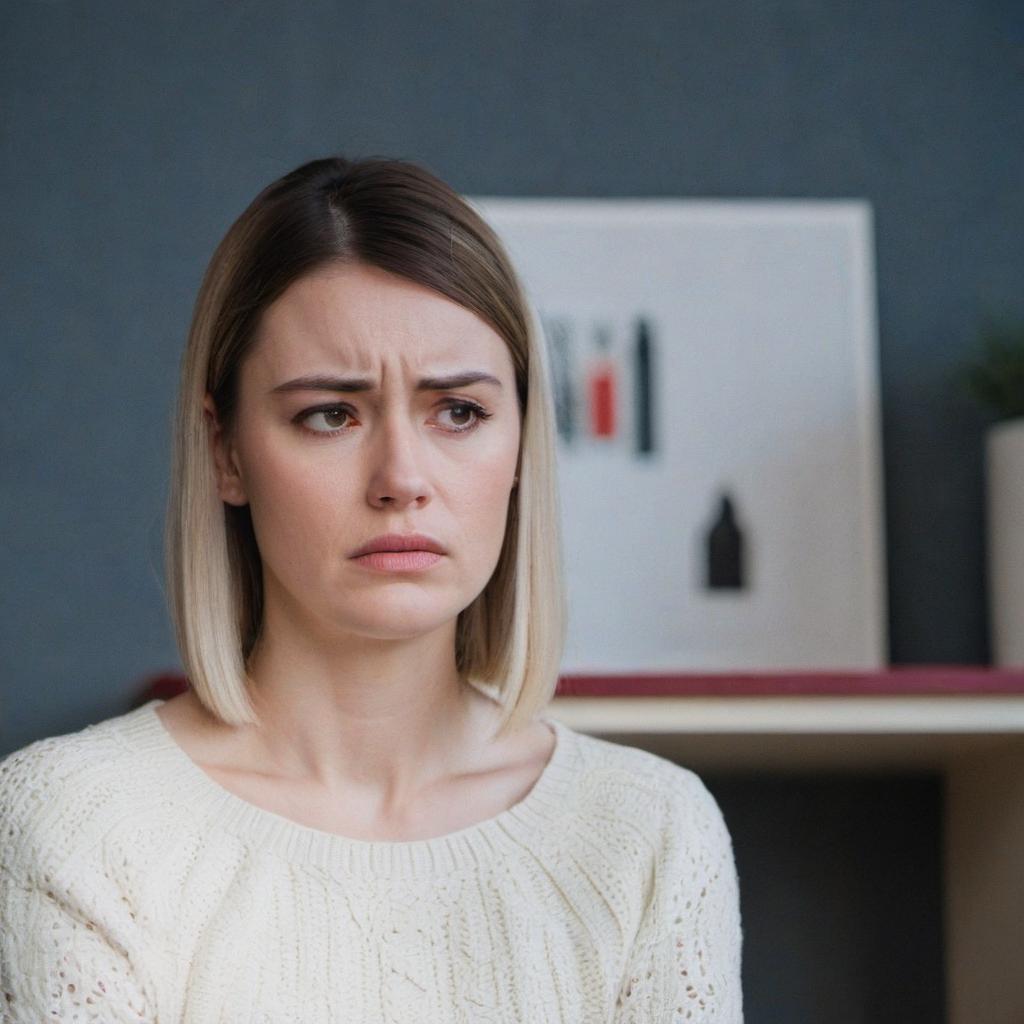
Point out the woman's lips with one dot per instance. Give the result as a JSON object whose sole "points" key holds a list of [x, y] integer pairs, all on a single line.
{"points": [[399, 561]]}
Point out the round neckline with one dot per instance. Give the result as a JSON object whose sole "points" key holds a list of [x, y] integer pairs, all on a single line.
{"points": [[524, 823]]}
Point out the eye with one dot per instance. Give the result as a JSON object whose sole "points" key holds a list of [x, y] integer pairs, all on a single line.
{"points": [[328, 412], [332, 413], [478, 413]]}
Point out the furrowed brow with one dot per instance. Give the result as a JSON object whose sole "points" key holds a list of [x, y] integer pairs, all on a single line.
{"points": [[319, 382]]}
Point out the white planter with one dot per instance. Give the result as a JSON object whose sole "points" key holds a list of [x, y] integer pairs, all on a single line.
{"points": [[1004, 470]]}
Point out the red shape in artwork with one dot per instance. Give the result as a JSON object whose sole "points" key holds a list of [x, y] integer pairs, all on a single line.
{"points": [[602, 400]]}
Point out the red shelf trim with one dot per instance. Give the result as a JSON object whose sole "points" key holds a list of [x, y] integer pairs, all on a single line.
{"points": [[895, 681]]}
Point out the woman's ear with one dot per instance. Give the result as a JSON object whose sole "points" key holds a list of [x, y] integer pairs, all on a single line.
{"points": [[229, 478]]}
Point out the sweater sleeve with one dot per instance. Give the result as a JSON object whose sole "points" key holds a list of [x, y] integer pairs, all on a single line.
{"points": [[684, 966], [67, 936]]}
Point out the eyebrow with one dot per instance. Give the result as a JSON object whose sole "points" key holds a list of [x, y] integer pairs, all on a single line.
{"points": [[318, 382]]}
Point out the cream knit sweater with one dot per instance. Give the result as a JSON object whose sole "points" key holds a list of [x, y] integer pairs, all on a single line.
{"points": [[136, 888]]}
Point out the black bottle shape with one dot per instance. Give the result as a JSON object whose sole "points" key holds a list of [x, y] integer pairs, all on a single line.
{"points": [[725, 549]]}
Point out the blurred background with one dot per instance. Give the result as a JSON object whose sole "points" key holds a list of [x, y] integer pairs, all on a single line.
{"points": [[134, 134]]}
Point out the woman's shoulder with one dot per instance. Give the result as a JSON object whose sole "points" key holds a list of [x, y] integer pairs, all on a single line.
{"points": [[59, 780], [641, 785], [610, 761]]}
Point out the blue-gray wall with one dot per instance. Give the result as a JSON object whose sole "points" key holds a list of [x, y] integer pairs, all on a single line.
{"points": [[133, 134]]}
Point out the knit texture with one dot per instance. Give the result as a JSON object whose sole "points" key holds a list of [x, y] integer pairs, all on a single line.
{"points": [[133, 887]]}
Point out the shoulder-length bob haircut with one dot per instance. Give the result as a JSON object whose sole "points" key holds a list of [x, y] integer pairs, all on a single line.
{"points": [[397, 216]]}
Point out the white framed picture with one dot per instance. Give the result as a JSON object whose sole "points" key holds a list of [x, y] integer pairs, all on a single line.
{"points": [[714, 365]]}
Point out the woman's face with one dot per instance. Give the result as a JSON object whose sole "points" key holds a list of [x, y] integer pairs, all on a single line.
{"points": [[324, 470]]}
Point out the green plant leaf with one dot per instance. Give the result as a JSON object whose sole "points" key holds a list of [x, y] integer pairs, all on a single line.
{"points": [[995, 378]]}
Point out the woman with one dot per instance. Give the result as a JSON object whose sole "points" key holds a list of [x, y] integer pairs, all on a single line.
{"points": [[358, 811]]}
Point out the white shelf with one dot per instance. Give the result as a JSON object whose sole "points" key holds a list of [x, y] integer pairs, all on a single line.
{"points": [[784, 714], [790, 734]]}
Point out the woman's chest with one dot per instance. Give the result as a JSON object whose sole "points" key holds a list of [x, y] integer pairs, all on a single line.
{"points": [[449, 807], [309, 947]]}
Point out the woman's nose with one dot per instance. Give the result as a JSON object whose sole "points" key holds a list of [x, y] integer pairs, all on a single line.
{"points": [[398, 466]]}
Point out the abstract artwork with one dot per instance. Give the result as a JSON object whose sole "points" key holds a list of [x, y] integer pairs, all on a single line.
{"points": [[713, 365]]}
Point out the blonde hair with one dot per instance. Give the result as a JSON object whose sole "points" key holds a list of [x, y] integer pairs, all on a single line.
{"points": [[397, 216]]}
